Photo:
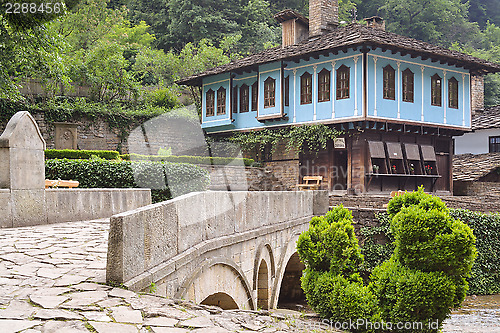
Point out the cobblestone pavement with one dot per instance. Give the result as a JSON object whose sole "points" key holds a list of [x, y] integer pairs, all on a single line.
{"points": [[52, 280]]}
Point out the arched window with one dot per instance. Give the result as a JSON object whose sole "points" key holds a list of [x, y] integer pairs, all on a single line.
{"points": [[343, 74], [306, 88], [436, 90], [210, 101], [408, 85], [389, 82], [453, 93], [221, 101], [244, 98], [255, 95], [324, 85], [269, 92]]}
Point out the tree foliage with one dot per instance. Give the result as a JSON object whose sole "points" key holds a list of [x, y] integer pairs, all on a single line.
{"points": [[27, 48]]}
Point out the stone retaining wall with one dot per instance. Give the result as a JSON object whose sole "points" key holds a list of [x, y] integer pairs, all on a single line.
{"points": [[96, 134], [483, 204], [240, 178], [476, 188]]}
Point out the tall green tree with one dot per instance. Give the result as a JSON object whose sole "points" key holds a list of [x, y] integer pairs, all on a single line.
{"points": [[102, 47], [27, 48], [482, 11], [486, 45], [178, 22], [156, 14], [436, 21]]}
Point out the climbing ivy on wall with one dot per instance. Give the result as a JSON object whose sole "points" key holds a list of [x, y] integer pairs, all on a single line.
{"points": [[8, 109], [310, 138], [119, 116]]}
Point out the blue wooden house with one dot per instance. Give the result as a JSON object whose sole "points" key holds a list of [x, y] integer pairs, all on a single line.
{"points": [[398, 100]]}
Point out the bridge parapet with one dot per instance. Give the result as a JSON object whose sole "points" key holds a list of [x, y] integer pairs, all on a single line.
{"points": [[150, 243]]}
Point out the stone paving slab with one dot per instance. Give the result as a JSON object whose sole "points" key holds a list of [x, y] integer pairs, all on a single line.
{"points": [[52, 281]]}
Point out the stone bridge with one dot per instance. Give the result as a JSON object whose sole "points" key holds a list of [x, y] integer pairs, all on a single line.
{"points": [[231, 249]]}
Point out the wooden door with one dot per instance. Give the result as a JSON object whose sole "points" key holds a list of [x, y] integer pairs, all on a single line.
{"points": [[443, 166], [339, 170]]}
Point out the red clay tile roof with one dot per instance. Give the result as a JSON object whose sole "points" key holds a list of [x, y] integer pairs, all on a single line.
{"points": [[469, 167], [489, 118], [352, 35]]}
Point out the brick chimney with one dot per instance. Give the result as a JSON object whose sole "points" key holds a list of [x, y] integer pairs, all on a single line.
{"points": [[323, 16], [375, 22], [294, 26], [477, 93]]}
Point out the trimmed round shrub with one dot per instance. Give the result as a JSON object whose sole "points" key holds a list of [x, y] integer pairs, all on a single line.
{"points": [[430, 240], [426, 275], [339, 299], [331, 280], [417, 198], [410, 295]]}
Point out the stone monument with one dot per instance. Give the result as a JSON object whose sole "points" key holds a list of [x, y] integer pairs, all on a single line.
{"points": [[22, 170]]}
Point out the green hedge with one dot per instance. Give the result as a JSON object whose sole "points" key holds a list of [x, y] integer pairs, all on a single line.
{"points": [[73, 154], [114, 155], [163, 178], [190, 159], [485, 275]]}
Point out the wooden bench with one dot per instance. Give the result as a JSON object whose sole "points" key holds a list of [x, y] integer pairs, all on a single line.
{"points": [[310, 183], [397, 193], [61, 183]]}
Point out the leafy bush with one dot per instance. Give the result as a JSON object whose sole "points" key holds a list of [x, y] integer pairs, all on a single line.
{"points": [[425, 276], [165, 179], [331, 282], [430, 240], [485, 274], [190, 159], [410, 295], [164, 98], [334, 297], [73, 154], [378, 243]]}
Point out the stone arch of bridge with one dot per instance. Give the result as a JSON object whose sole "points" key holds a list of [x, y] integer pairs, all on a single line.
{"points": [[263, 275], [216, 280], [288, 255], [222, 300]]}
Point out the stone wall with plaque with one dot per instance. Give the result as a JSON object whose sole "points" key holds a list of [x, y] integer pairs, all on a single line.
{"points": [[66, 136]]}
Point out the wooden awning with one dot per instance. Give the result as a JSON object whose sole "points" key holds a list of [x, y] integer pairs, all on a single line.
{"points": [[394, 150], [376, 149], [412, 152], [428, 153]]}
